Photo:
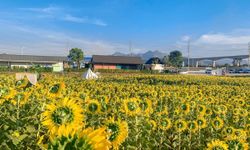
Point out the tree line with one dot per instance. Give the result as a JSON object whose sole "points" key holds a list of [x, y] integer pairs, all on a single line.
{"points": [[174, 59]]}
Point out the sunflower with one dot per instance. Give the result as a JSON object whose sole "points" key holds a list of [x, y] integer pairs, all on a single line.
{"points": [[202, 123], [20, 98], [240, 134], [243, 112], [165, 124], [88, 139], [201, 109], [131, 106], [6, 94], [97, 138], [152, 124], [146, 107], [23, 83], [185, 108], [63, 117], [208, 112], [217, 123], [180, 125], [192, 126], [216, 109], [56, 90], [217, 145], [118, 132], [93, 107], [241, 102], [237, 145], [223, 109], [228, 131]]}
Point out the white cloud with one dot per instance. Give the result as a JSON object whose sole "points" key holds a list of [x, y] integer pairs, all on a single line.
{"points": [[63, 14], [218, 44], [222, 39], [47, 10], [185, 38], [46, 42], [71, 18]]}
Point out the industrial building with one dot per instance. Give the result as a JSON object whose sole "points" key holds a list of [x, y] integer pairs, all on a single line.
{"points": [[116, 62], [11, 60]]}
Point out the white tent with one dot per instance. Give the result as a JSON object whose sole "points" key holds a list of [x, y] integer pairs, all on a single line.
{"points": [[89, 75], [32, 77]]}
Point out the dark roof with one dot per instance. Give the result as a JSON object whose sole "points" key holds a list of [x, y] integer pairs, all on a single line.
{"points": [[31, 58], [116, 59]]}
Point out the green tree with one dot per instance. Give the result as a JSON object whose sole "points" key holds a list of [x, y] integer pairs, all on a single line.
{"points": [[165, 60], [154, 60], [76, 55], [175, 58]]}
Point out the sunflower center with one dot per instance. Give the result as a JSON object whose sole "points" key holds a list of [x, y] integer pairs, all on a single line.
{"points": [[54, 88], [92, 107], [201, 108], [217, 123], [200, 122], [114, 128], [184, 107], [131, 106], [179, 125], [192, 125], [164, 123], [62, 115], [229, 130]]}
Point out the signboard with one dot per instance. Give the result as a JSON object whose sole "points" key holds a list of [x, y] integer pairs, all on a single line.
{"points": [[57, 67]]}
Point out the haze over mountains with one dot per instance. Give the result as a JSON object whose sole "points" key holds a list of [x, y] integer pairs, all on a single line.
{"points": [[145, 56], [149, 54]]}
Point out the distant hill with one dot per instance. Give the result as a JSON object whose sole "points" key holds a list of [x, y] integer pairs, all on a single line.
{"points": [[145, 56]]}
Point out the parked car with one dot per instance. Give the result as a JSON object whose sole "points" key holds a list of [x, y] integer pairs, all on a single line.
{"points": [[246, 70], [231, 71], [208, 71]]}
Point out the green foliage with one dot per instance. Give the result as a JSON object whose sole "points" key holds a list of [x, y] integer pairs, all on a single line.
{"points": [[175, 58], [165, 60], [154, 60], [76, 55]]}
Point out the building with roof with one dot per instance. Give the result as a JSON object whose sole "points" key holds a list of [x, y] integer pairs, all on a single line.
{"points": [[25, 61], [116, 62]]}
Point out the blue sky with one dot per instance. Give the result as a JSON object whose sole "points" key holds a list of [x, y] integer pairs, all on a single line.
{"points": [[51, 27]]}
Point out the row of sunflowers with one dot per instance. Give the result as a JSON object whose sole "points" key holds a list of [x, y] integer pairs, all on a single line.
{"points": [[125, 112]]}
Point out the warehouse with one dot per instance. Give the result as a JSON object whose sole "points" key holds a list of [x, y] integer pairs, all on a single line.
{"points": [[116, 62], [26, 61]]}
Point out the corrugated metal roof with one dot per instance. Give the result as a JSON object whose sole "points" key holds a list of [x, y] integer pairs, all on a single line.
{"points": [[105, 59], [31, 58]]}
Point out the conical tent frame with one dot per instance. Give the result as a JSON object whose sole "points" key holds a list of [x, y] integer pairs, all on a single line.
{"points": [[89, 75]]}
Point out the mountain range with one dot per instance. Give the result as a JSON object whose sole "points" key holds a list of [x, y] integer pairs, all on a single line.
{"points": [[149, 54], [145, 56]]}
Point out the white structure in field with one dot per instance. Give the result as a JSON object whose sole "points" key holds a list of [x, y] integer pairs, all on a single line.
{"points": [[158, 67], [89, 75], [32, 77], [58, 67]]}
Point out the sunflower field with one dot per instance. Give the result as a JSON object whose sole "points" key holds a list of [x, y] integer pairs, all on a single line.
{"points": [[127, 112]]}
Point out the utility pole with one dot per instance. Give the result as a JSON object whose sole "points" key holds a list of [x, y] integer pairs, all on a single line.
{"points": [[188, 48], [249, 54], [22, 50], [130, 48]]}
